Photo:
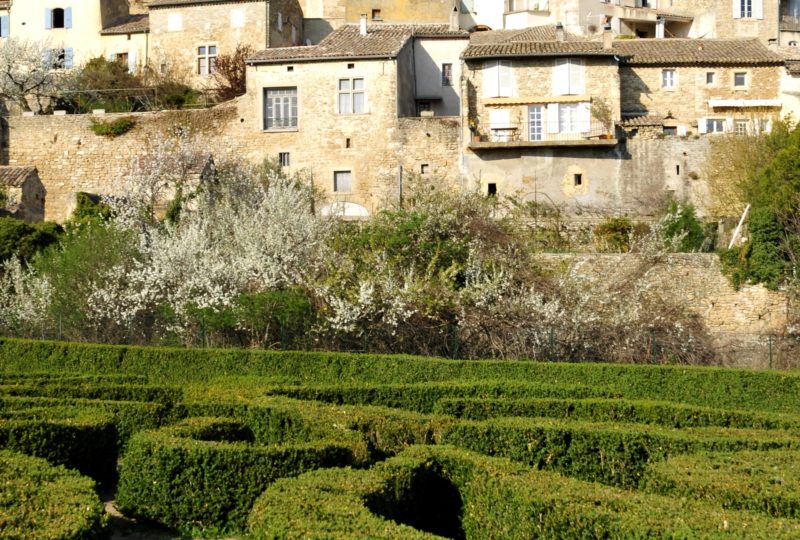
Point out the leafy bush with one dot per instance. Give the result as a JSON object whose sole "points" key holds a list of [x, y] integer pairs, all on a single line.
{"points": [[40, 501], [23, 240], [114, 128], [681, 223], [230, 74], [614, 234]]}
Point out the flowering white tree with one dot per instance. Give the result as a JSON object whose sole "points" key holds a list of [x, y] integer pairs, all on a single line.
{"points": [[28, 76], [24, 296]]}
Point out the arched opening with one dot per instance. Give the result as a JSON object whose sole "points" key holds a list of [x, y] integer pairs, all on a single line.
{"points": [[58, 18]]}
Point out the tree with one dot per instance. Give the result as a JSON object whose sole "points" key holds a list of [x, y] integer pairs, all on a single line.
{"points": [[29, 75], [231, 73]]}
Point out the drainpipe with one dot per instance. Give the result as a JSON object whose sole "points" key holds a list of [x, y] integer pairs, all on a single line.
{"points": [[267, 29]]}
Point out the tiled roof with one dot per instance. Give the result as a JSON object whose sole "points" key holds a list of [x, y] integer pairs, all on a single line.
{"points": [[132, 24], [5, 5], [642, 121], [679, 51], [381, 41], [166, 3], [15, 176], [534, 41]]}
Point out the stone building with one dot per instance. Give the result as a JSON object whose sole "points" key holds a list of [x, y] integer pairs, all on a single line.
{"points": [[187, 36], [75, 30], [344, 110], [23, 192]]}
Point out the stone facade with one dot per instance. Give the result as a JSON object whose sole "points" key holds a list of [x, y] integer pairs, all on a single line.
{"points": [[182, 36], [687, 101], [714, 19], [24, 193], [739, 322]]}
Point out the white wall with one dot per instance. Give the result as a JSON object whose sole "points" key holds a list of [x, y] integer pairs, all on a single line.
{"points": [[429, 55]]}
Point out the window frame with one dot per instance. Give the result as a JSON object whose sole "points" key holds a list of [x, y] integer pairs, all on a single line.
{"points": [[745, 83], [715, 122], [294, 106], [713, 76], [573, 123], [350, 94], [447, 74], [206, 62], [349, 173], [669, 82]]}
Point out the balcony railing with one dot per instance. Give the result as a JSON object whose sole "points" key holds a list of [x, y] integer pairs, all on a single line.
{"points": [[542, 133]]}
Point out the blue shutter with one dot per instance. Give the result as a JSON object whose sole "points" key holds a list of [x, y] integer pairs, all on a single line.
{"points": [[68, 58], [4, 26], [46, 58], [68, 17], [48, 18]]}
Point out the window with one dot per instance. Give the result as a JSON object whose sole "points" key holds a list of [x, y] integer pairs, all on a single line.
{"points": [[57, 18], [497, 79], [59, 58], [715, 125], [289, 68], [351, 96], [121, 58], [745, 8], [280, 108], [423, 106], [568, 118], [670, 131], [568, 77], [423, 169], [577, 179], [710, 78], [740, 79], [491, 189], [206, 59], [283, 159], [4, 29], [447, 74], [740, 127], [342, 181], [668, 78], [376, 15]]}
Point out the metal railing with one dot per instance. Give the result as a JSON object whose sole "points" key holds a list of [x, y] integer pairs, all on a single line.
{"points": [[542, 131]]}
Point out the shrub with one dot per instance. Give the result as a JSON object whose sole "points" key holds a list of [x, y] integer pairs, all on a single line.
{"points": [[202, 474], [230, 73], [681, 222], [759, 481], [614, 234], [40, 501], [24, 240], [114, 128]]}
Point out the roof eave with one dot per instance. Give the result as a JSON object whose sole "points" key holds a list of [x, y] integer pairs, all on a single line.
{"points": [[539, 55], [254, 62]]}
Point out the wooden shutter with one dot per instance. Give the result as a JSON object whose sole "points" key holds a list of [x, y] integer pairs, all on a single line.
{"points": [[737, 9], [506, 79], [500, 118], [584, 116], [552, 118], [702, 128], [561, 77], [575, 76], [132, 61], [47, 58], [4, 26], [68, 58], [48, 18], [729, 124], [68, 17], [491, 78], [758, 9]]}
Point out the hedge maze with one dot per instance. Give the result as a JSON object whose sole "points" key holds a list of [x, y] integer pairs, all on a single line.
{"points": [[320, 445]]}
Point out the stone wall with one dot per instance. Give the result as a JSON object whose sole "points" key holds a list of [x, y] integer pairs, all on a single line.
{"points": [[688, 100], [714, 19], [739, 322]]}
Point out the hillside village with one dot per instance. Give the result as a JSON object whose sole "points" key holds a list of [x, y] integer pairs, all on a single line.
{"points": [[601, 108]]}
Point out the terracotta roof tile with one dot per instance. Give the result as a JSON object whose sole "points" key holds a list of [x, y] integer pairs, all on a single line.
{"points": [[679, 51], [642, 121], [168, 3], [132, 24], [15, 176], [381, 41]]}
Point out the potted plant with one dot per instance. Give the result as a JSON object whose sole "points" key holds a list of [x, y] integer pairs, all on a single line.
{"points": [[474, 122], [601, 112]]}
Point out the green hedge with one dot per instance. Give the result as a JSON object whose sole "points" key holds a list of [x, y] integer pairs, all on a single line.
{"points": [[190, 477], [85, 440], [67, 378], [104, 391], [615, 454], [766, 482], [494, 498], [711, 387], [423, 397], [614, 410], [39, 501]]}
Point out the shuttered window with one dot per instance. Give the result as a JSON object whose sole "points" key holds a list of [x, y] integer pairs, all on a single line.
{"points": [[568, 77], [498, 79]]}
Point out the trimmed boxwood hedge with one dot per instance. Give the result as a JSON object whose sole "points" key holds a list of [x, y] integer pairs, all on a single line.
{"points": [[497, 499], [766, 482], [615, 454], [205, 473], [85, 440], [662, 413], [423, 397], [772, 391], [93, 390], [40, 501]]}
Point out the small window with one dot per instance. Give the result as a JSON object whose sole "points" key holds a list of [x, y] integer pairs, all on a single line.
{"points": [[491, 190], [58, 18], [351, 66], [668, 78], [206, 59], [740, 127], [283, 158], [677, 170], [342, 181], [348, 143], [740, 79], [715, 125], [577, 179], [710, 78], [290, 68], [447, 74], [423, 169], [352, 99], [376, 15], [121, 58]]}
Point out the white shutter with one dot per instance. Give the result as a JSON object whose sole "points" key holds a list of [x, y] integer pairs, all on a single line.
{"points": [[768, 127], [576, 76], [132, 61], [552, 118], [737, 8], [500, 118], [758, 9], [584, 116], [491, 76], [701, 126], [681, 131], [506, 79], [729, 124], [561, 77]]}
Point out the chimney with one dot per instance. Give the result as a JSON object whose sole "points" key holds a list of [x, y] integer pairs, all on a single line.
{"points": [[454, 19], [608, 37], [559, 32], [362, 26]]}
